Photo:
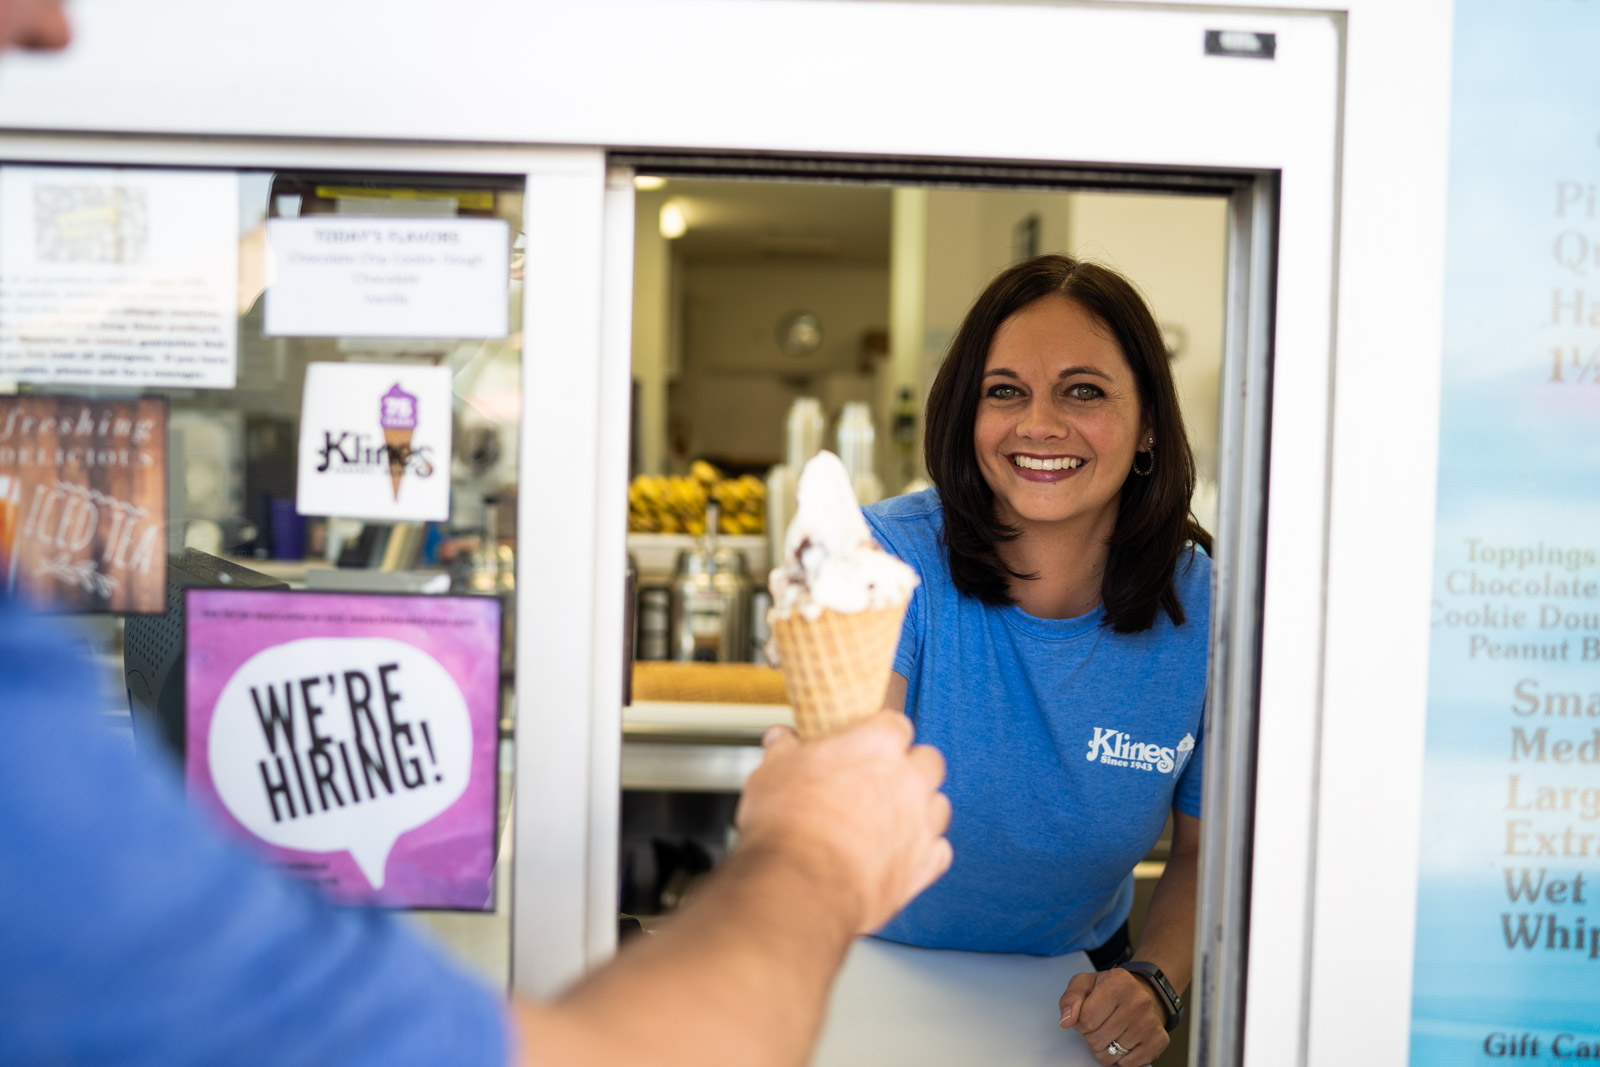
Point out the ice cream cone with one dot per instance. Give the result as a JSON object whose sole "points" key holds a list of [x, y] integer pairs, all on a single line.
{"points": [[836, 667], [399, 442]]}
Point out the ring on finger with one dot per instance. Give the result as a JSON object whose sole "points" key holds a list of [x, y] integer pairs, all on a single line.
{"points": [[1115, 1049]]}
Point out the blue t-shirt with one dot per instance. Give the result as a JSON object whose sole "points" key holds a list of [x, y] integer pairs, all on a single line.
{"points": [[133, 933], [1067, 744]]}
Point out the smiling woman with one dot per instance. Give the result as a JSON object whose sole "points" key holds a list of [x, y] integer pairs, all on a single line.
{"points": [[1104, 390], [1056, 430], [1056, 649]]}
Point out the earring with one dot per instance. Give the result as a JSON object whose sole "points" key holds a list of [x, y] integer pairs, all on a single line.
{"points": [[1149, 467]]}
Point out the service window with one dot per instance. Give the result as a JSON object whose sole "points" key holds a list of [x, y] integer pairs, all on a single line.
{"points": [[772, 319]]}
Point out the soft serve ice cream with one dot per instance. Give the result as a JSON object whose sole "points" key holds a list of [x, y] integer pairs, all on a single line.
{"points": [[838, 601], [830, 560]]}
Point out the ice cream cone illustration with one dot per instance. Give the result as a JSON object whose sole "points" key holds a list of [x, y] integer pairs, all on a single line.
{"points": [[838, 601], [398, 415], [1185, 749]]}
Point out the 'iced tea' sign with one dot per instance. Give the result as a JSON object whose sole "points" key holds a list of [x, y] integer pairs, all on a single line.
{"points": [[83, 503], [354, 736]]}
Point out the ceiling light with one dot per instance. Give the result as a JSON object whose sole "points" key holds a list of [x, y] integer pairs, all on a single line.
{"points": [[646, 182], [673, 222]]}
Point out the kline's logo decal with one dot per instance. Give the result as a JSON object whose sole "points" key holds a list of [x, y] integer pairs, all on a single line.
{"points": [[375, 442], [1119, 749], [355, 451]]}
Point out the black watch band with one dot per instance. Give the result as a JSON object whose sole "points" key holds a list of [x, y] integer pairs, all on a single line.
{"points": [[1171, 1003]]}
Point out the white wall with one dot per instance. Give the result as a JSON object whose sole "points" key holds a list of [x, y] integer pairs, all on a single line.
{"points": [[737, 383], [970, 241], [946, 245], [898, 465], [652, 332], [1175, 249]]}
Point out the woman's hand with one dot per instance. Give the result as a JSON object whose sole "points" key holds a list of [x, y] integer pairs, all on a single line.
{"points": [[1116, 1005]]}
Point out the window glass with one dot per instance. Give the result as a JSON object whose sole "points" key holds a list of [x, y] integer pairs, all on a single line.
{"points": [[210, 299]]}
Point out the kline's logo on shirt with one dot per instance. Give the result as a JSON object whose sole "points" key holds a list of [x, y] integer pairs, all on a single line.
{"points": [[1118, 749]]}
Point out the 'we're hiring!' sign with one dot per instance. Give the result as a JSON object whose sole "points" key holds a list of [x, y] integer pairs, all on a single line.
{"points": [[354, 737]]}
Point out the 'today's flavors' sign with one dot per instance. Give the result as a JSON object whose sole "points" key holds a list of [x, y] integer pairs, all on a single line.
{"points": [[388, 277], [375, 442], [83, 503], [1507, 962], [353, 736]]}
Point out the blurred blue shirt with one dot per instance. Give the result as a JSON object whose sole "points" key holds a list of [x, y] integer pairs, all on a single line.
{"points": [[131, 932]]}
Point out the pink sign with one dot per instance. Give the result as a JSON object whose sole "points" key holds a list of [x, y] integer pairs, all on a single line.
{"points": [[353, 736]]}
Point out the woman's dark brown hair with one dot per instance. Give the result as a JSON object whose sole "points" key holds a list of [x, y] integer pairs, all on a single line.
{"points": [[1154, 526]]}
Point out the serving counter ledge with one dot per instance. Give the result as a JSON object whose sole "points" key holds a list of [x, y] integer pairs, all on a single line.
{"points": [[898, 1004]]}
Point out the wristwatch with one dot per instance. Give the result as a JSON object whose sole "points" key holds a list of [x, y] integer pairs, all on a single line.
{"points": [[1171, 1003]]}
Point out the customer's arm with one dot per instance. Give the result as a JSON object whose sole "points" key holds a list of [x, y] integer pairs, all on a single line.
{"points": [[835, 837], [131, 930]]}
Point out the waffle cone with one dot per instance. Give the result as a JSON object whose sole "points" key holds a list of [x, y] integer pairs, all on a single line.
{"points": [[836, 667], [399, 442]]}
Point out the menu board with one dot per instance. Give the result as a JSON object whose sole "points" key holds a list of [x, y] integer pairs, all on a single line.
{"points": [[1507, 961]]}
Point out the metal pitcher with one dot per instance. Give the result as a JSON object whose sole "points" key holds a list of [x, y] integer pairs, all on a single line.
{"points": [[711, 601]]}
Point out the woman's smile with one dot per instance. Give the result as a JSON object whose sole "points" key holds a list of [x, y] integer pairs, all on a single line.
{"points": [[1036, 468]]}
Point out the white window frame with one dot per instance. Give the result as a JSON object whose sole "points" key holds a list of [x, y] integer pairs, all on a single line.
{"points": [[1124, 85]]}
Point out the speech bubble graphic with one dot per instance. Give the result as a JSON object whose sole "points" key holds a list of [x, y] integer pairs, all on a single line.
{"points": [[328, 744]]}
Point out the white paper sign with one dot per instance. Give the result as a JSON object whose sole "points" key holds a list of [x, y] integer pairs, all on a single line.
{"points": [[114, 277], [375, 442], [387, 277]]}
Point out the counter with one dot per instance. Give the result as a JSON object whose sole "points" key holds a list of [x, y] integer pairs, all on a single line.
{"points": [[697, 727], [894, 1004]]}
